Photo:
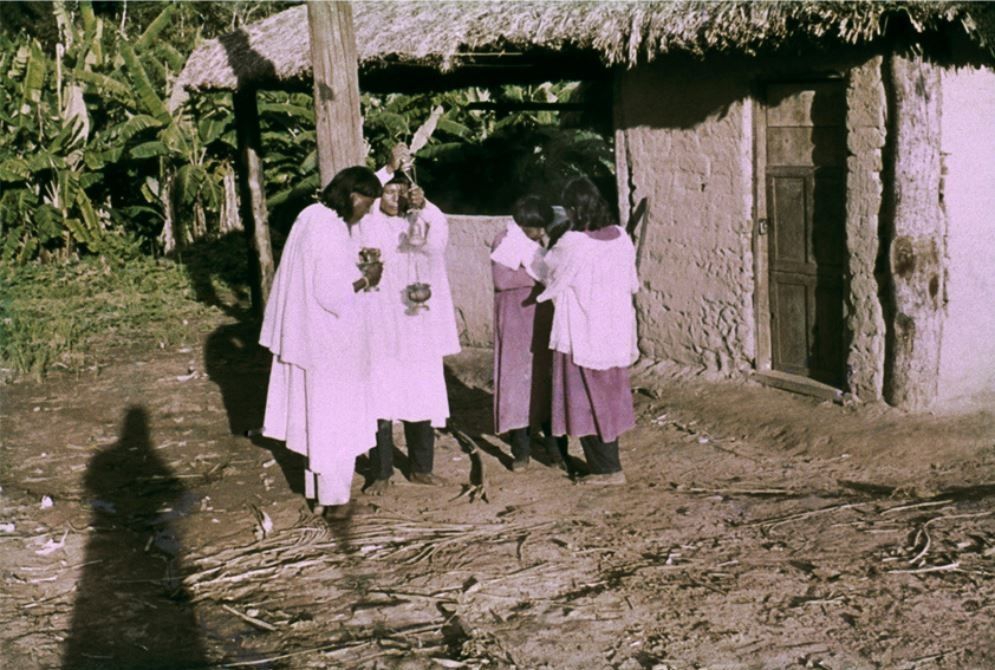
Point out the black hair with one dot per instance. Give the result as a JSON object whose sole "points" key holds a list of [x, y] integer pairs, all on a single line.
{"points": [[532, 211], [355, 179], [399, 178], [585, 205]]}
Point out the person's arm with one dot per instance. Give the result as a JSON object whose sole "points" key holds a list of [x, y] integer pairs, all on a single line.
{"points": [[561, 264], [399, 155], [506, 279]]}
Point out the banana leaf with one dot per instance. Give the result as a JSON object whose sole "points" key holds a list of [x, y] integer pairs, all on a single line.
{"points": [[395, 124], [88, 179], [179, 138], [136, 124], [46, 160], [34, 76], [303, 188], [149, 150], [453, 128], [147, 95], [14, 169], [47, 222], [212, 128], [172, 57], [434, 150], [106, 87], [153, 30], [301, 113]]}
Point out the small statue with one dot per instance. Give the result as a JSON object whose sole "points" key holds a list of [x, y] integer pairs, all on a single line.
{"points": [[368, 256]]}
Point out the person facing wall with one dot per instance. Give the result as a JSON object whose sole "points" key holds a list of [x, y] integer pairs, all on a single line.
{"points": [[590, 276], [522, 359]]}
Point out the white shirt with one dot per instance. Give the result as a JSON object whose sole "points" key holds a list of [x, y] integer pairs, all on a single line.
{"points": [[591, 283]]}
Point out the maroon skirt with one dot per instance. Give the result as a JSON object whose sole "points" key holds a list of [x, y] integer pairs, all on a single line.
{"points": [[590, 402]]}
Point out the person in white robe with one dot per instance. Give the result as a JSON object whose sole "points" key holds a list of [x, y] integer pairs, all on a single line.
{"points": [[409, 340], [318, 399]]}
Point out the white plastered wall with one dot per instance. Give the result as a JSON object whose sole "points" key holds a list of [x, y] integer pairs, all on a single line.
{"points": [[967, 355]]}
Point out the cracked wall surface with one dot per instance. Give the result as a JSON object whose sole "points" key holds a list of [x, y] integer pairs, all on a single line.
{"points": [[866, 135], [688, 143]]}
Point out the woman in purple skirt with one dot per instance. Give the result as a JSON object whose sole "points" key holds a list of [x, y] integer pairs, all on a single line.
{"points": [[590, 276], [522, 359]]}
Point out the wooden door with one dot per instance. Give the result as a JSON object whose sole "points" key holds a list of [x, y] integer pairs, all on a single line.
{"points": [[805, 189]]}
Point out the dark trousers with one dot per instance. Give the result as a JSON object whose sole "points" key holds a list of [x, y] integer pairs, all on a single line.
{"points": [[521, 443], [421, 448], [602, 457]]}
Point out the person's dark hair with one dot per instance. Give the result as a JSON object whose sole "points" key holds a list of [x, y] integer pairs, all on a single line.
{"points": [[532, 211], [355, 179], [585, 205], [399, 178]]}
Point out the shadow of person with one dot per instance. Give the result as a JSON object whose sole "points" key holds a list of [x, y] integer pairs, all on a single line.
{"points": [[131, 609], [471, 410], [240, 367]]}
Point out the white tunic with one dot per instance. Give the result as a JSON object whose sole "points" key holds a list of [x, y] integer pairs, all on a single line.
{"points": [[591, 283], [318, 397], [408, 344]]}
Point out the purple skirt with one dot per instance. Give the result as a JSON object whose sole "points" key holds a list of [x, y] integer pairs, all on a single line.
{"points": [[590, 402]]}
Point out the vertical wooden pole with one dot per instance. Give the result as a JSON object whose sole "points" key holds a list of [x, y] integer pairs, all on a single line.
{"points": [[917, 246], [336, 87], [252, 201]]}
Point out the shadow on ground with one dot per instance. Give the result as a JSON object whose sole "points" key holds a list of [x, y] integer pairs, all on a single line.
{"points": [[132, 610]]}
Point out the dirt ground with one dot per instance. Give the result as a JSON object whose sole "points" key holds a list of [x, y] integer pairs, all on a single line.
{"points": [[139, 528]]}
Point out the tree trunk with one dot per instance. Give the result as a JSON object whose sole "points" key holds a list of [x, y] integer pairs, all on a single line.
{"points": [[336, 87], [253, 197], [168, 236], [229, 220], [917, 245]]}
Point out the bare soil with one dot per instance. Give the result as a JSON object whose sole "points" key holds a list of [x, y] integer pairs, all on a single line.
{"points": [[759, 529]]}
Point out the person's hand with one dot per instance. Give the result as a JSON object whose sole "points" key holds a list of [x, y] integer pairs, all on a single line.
{"points": [[416, 197], [399, 157], [373, 273]]}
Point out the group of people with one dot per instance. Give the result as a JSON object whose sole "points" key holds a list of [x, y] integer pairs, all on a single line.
{"points": [[356, 347], [565, 330]]}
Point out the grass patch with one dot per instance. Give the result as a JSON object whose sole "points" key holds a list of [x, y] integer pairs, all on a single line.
{"points": [[72, 315]]}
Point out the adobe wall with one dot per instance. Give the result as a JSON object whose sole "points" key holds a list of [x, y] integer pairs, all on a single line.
{"points": [[967, 351], [469, 266], [866, 128], [685, 143]]}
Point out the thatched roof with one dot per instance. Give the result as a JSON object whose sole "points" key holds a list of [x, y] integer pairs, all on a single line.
{"points": [[441, 35]]}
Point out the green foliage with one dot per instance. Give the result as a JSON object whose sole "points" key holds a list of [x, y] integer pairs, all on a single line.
{"points": [[71, 315], [91, 161]]}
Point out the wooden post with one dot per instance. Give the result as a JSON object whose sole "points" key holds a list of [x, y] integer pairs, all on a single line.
{"points": [[916, 251], [336, 87], [252, 200]]}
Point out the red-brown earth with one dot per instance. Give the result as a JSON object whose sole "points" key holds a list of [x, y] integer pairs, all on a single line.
{"points": [[758, 529]]}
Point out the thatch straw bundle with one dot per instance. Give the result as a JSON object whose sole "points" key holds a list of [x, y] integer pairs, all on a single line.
{"points": [[438, 34]]}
